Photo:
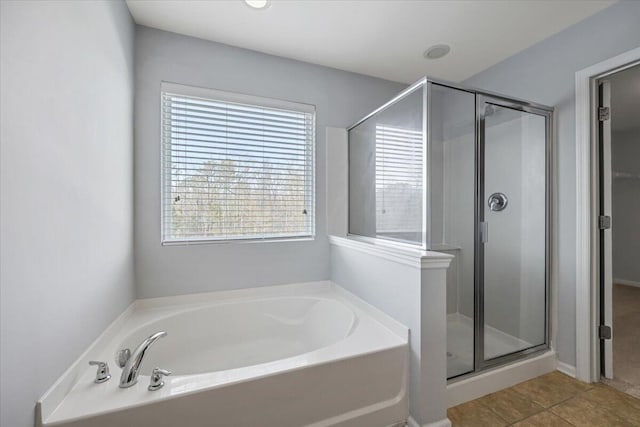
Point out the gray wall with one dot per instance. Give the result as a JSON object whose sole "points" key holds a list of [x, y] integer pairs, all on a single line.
{"points": [[340, 98], [545, 73], [625, 159], [66, 264]]}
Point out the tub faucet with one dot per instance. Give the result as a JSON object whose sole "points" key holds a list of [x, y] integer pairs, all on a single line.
{"points": [[130, 362]]}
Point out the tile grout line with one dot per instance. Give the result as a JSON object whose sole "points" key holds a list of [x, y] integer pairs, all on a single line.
{"points": [[548, 409], [576, 393], [544, 409], [517, 392], [593, 386]]}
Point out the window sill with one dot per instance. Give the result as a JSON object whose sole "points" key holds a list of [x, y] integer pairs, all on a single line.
{"points": [[236, 241]]}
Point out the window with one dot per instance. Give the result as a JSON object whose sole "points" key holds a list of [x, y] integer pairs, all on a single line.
{"points": [[235, 167], [398, 182]]}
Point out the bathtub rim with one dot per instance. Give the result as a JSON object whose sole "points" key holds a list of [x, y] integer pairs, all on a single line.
{"points": [[188, 309], [54, 396]]}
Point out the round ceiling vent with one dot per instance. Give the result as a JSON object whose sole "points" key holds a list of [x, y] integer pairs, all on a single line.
{"points": [[437, 51], [258, 4]]}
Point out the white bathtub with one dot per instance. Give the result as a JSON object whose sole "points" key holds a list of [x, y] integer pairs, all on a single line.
{"points": [[295, 355]]}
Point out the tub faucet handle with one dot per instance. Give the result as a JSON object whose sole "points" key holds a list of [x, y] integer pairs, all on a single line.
{"points": [[156, 381], [102, 374]]}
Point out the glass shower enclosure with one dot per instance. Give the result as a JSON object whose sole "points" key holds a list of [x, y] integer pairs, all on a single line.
{"points": [[446, 168]]}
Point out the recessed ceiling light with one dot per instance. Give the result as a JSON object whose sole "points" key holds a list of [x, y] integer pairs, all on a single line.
{"points": [[437, 51], [258, 4]]}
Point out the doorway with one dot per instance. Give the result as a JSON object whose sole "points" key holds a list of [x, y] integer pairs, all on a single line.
{"points": [[618, 132]]}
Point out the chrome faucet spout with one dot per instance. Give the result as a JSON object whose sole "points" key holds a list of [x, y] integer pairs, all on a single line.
{"points": [[131, 367]]}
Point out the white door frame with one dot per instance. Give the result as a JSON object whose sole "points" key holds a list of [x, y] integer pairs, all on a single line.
{"points": [[587, 342]]}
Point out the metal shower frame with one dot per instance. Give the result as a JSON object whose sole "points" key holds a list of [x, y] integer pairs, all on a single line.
{"points": [[481, 98]]}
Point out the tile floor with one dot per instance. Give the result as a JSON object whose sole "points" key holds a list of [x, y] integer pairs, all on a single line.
{"points": [[551, 400]]}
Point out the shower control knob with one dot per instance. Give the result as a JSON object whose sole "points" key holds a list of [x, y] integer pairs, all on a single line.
{"points": [[497, 202], [156, 381]]}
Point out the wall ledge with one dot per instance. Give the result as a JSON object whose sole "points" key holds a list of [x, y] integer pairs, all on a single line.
{"points": [[416, 258]]}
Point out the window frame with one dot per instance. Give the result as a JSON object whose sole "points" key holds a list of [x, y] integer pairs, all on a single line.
{"points": [[243, 99]]}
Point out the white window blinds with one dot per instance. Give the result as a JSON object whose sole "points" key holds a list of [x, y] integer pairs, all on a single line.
{"points": [[235, 166], [398, 182]]}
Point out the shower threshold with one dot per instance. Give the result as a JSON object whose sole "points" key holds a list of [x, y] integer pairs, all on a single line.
{"points": [[460, 344]]}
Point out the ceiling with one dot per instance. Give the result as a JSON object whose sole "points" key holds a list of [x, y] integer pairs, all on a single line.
{"points": [[625, 99], [378, 38]]}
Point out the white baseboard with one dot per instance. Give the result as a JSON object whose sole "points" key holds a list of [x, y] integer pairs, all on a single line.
{"points": [[442, 423], [626, 282], [565, 368]]}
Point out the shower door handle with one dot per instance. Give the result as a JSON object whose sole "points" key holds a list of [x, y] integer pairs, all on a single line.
{"points": [[484, 232]]}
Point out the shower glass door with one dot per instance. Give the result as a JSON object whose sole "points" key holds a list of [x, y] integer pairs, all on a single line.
{"points": [[512, 208]]}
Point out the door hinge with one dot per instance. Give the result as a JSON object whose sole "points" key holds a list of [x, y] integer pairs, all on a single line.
{"points": [[604, 332], [484, 232], [604, 222], [603, 113]]}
